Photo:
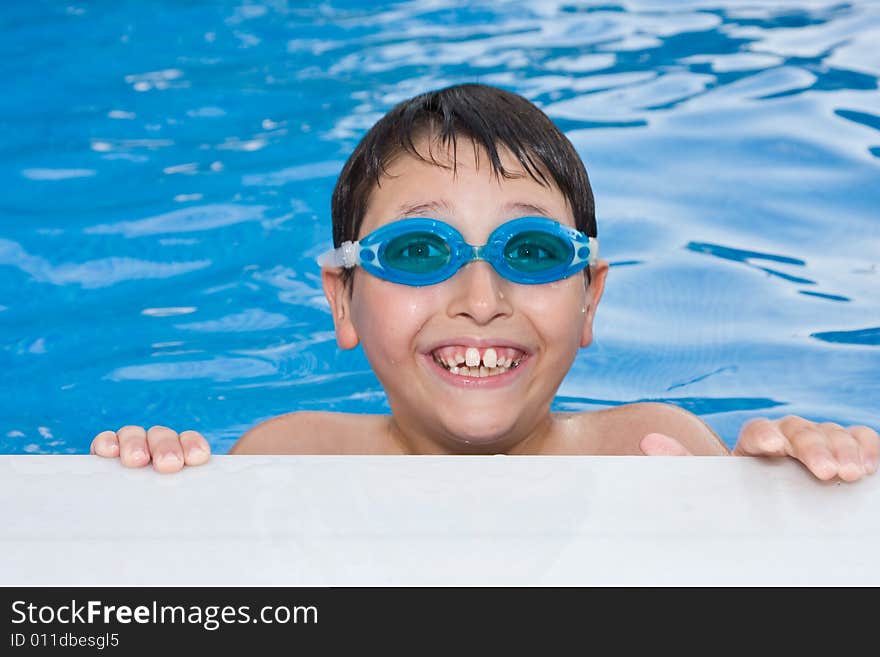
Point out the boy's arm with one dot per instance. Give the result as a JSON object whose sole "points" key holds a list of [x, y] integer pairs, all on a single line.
{"points": [[659, 422], [165, 448], [826, 449], [302, 432], [169, 452], [270, 436]]}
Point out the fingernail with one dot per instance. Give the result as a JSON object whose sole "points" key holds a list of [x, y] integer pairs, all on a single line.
{"points": [[826, 469], [170, 457], [773, 443], [138, 455], [851, 471], [870, 466]]}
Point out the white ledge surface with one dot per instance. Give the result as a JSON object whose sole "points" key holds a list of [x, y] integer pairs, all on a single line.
{"points": [[435, 520]]}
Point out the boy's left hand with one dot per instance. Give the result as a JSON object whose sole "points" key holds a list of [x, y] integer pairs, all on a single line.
{"points": [[826, 449]]}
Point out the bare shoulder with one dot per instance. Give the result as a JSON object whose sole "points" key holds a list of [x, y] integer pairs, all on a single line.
{"points": [[316, 432], [621, 428]]}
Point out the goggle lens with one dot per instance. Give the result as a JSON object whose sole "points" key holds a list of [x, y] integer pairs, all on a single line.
{"points": [[536, 251], [417, 253]]}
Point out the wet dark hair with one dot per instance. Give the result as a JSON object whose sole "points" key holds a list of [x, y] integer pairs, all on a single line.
{"points": [[489, 117]]}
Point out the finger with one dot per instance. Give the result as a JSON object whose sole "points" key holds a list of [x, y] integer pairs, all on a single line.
{"points": [[196, 449], [165, 448], [658, 444], [845, 448], [811, 447], [869, 446], [133, 451], [105, 444], [762, 437]]}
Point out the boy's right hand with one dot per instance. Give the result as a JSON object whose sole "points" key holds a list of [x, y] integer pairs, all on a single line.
{"points": [[168, 450]]}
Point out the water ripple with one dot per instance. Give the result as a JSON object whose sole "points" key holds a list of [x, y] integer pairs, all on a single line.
{"points": [[92, 274], [215, 369], [868, 336], [252, 319], [696, 405], [742, 131], [186, 220]]}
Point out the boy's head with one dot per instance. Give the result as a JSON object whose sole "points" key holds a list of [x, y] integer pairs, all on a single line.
{"points": [[471, 363], [486, 118]]}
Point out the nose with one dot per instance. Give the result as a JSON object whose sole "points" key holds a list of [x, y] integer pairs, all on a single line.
{"points": [[478, 293]]}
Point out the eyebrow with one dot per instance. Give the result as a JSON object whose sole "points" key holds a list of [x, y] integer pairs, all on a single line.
{"points": [[414, 209]]}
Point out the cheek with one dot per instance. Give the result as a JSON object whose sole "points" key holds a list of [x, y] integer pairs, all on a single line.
{"points": [[387, 317], [555, 310]]}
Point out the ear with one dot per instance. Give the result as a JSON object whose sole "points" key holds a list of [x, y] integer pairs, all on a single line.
{"points": [[339, 299], [593, 294]]}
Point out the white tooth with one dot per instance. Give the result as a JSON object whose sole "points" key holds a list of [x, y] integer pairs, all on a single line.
{"points": [[459, 359], [454, 370], [490, 358], [483, 371], [472, 357]]}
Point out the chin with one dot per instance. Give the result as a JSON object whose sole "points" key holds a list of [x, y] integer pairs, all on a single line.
{"points": [[489, 437]]}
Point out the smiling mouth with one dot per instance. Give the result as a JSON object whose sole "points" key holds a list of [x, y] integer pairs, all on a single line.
{"points": [[472, 362]]}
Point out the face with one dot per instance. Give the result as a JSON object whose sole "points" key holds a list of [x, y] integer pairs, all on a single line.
{"points": [[415, 336]]}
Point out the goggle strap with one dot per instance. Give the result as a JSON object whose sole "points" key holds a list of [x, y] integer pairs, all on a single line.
{"points": [[346, 256]]}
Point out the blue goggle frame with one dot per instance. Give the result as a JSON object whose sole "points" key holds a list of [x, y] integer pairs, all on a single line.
{"points": [[369, 252]]}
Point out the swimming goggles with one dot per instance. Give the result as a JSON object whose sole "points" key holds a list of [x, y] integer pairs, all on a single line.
{"points": [[423, 251]]}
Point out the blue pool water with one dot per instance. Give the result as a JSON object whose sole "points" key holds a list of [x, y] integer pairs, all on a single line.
{"points": [[167, 170]]}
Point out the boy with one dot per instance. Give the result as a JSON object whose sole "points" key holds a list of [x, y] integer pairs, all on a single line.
{"points": [[471, 344]]}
